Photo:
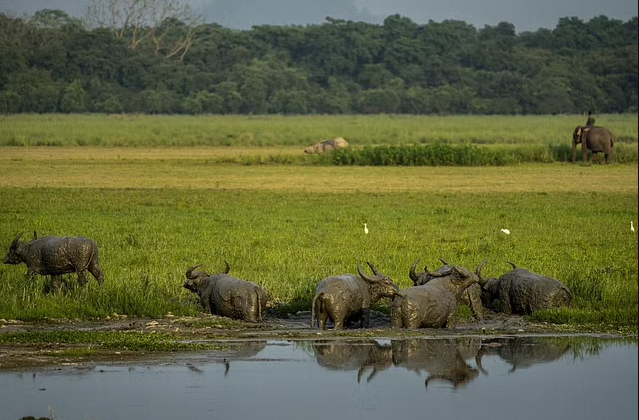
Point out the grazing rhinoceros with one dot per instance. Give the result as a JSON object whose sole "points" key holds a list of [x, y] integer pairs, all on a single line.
{"points": [[226, 295], [349, 297], [471, 296], [520, 291], [326, 146], [434, 304], [54, 256]]}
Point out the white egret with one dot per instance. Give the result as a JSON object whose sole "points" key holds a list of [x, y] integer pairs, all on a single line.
{"points": [[365, 229], [632, 227], [506, 231]]}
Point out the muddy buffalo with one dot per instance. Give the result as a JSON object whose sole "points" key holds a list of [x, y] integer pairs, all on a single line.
{"points": [[349, 297], [54, 256], [434, 304], [226, 295], [471, 296], [520, 291]]}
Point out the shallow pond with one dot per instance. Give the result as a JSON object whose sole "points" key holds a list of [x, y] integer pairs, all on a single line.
{"points": [[505, 377]]}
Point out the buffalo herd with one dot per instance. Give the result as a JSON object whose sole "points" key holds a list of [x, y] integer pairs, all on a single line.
{"points": [[345, 300]]}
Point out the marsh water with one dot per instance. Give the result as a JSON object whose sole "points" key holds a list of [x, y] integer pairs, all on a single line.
{"points": [[507, 377]]}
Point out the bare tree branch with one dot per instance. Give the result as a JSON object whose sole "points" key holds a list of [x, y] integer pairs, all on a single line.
{"points": [[169, 26]]}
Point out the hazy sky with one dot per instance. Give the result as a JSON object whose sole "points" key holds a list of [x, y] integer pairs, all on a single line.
{"points": [[526, 15]]}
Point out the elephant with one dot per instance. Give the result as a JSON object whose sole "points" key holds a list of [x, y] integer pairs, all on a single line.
{"points": [[596, 139]]}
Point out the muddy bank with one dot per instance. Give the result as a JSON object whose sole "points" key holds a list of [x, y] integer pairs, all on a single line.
{"points": [[207, 327]]}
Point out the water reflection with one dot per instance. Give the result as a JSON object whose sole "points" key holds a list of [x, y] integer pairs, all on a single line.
{"points": [[441, 359], [524, 352], [578, 378], [367, 355], [232, 350], [448, 360]]}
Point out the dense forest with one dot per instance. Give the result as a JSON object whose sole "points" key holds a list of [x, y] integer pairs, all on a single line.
{"points": [[54, 63]]}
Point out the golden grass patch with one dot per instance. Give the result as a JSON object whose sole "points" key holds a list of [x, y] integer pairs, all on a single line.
{"points": [[189, 168]]}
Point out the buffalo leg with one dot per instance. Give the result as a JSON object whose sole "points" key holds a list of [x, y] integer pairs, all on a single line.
{"points": [[57, 283], [82, 278], [321, 320], [396, 321], [366, 318]]}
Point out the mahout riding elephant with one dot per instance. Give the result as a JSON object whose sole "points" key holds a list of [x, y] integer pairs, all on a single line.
{"points": [[595, 139]]}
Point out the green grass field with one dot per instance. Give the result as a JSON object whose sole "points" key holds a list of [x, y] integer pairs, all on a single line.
{"points": [[283, 131], [156, 210]]}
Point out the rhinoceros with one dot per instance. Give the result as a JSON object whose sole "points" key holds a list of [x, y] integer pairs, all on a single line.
{"points": [[471, 296], [226, 295], [54, 256], [434, 304], [522, 292], [349, 297], [326, 146]]}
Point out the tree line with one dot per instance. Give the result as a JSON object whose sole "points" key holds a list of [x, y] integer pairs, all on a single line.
{"points": [[52, 62]]}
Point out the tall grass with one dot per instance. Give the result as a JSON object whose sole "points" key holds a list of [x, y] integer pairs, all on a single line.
{"points": [[465, 155], [288, 241]]}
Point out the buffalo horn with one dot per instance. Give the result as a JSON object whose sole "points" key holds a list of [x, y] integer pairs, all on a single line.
{"points": [[435, 274], [373, 268], [363, 274], [481, 265], [189, 272], [412, 274]]}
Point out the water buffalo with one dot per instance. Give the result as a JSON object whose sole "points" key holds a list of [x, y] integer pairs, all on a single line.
{"points": [[442, 359], [471, 296], [226, 295], [54, 256], [521, 292], [434, 304], [349, 297], [326, 146]]}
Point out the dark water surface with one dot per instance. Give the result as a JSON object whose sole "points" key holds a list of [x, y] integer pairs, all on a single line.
{"points": [[463, 378]]}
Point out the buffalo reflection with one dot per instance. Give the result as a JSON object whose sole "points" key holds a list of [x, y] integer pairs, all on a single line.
{"points": [[523, 352], [441, 359], [360, 355], [234, 350]]}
